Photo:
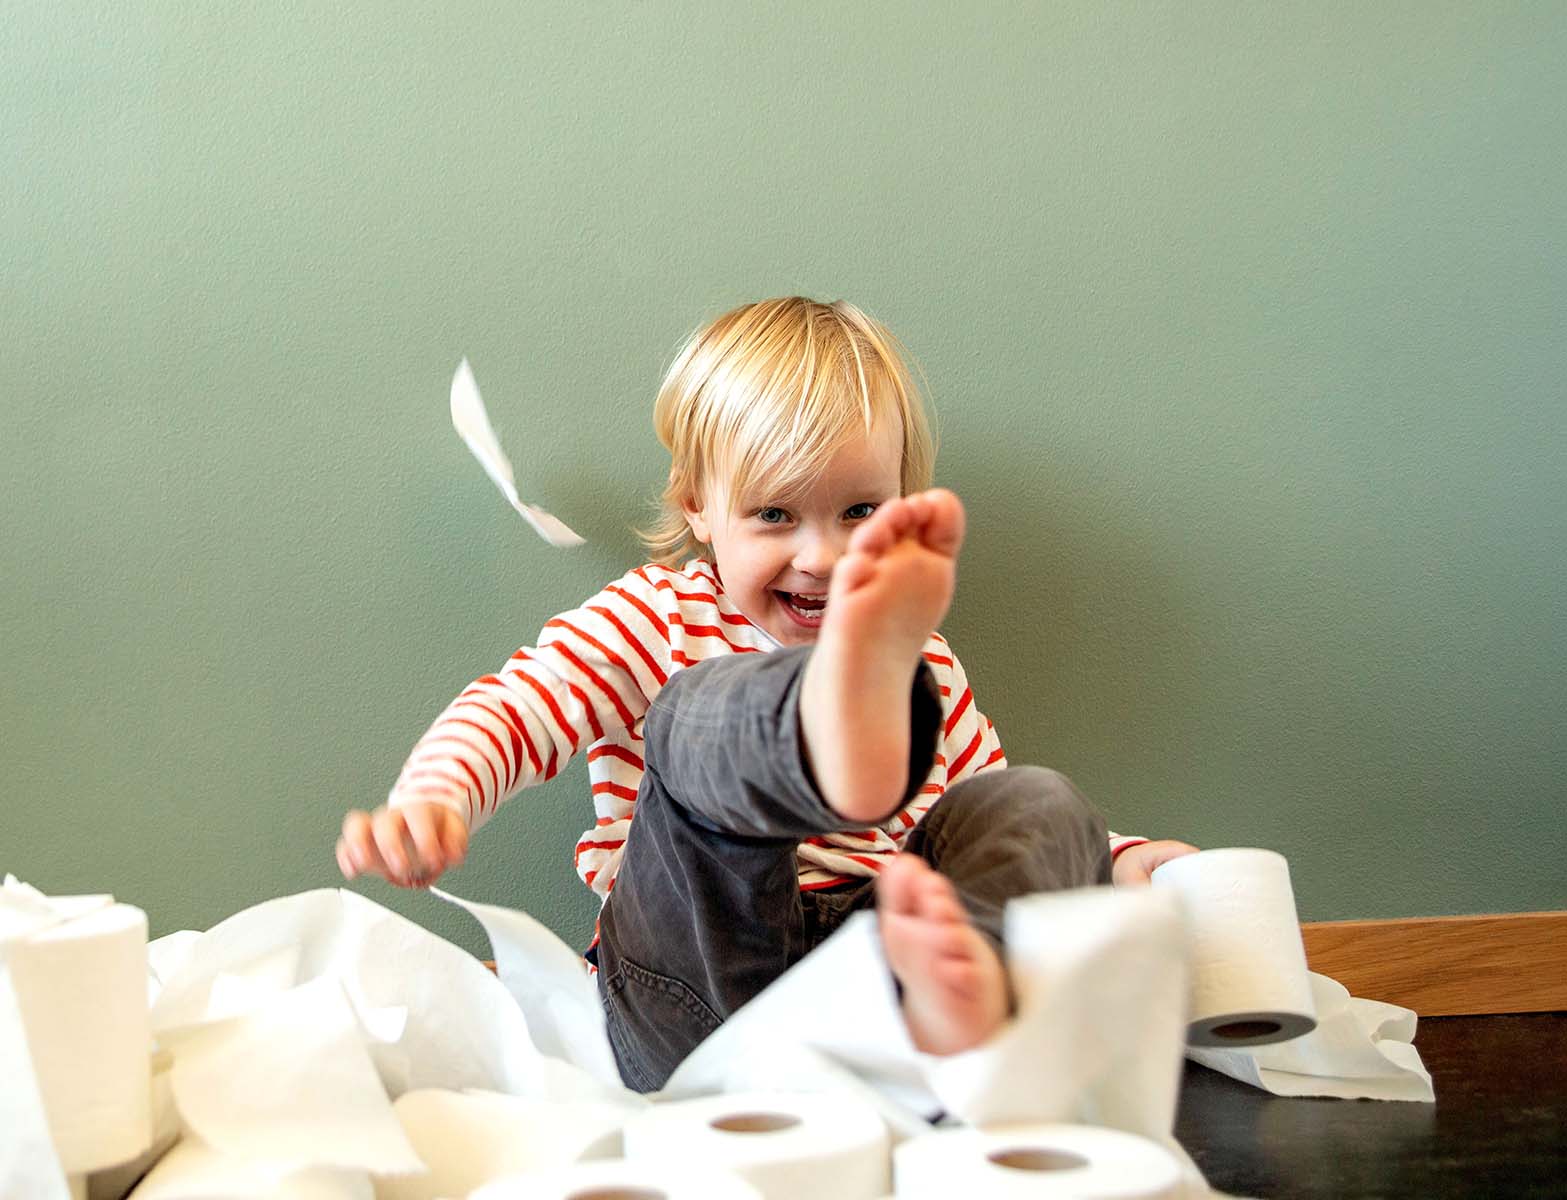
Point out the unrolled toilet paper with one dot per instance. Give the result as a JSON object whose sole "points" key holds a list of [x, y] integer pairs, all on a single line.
{"points": [[551, 984], [1035, 1162], [1249, 983], [194, 1171], [623, 1181], [468, 1139], [462, 1029], [291, 1083], [1360, 1049], [821, 1145], [80, 988]]}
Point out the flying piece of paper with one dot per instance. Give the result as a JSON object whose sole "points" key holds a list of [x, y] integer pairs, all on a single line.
{"points": [[473, 424]]}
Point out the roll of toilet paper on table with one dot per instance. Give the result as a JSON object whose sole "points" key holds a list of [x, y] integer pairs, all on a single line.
{"points": [[1035, 1162], [622, 1181], [789, 1145], [81, 990], [1249, 981]]}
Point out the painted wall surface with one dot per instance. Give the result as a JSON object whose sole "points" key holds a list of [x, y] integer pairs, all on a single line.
{"points": [[1244, 325]]}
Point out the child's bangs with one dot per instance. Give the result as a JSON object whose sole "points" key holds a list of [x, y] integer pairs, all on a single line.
{"points": [[794, 425], [758, 402]]}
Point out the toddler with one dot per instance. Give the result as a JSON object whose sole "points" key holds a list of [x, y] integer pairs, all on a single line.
{"points": [[770, 700]]}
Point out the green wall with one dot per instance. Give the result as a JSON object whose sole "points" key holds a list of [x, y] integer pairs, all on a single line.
{"points": [[1244, 324]]}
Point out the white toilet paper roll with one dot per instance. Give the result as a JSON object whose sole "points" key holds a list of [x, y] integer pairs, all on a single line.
{"points": [[81, 990], [820, 1146], [1249, 982], [1035, 1162], [622, 1181], [113, 1183], [468, 1139]]}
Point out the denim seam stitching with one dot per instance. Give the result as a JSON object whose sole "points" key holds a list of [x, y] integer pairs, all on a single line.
{"points": [[674, 989]]}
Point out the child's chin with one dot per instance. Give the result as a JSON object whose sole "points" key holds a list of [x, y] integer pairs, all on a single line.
{"points": [[788, 633]]}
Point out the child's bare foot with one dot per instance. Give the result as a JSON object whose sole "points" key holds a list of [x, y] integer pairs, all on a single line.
{"points": [[887, 595], [954, 986]]}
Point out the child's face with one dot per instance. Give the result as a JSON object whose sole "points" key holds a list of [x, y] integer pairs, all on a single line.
{"points": [[776, 554]]}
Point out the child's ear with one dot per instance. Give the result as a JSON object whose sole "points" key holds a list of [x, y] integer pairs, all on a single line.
{"points": [[696, 518]]}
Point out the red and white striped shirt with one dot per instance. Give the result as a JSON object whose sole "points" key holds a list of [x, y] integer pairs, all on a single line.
{"points": [[589, 682]]}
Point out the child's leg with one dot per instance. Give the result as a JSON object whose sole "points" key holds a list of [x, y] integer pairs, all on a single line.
{"points": [[1003, 834], [992, 837], [706, 907], [746, 760], [888, 595]]}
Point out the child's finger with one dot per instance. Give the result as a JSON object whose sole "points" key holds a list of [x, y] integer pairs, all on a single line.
{"points": [[454, 836], [426, 837], [390, 827], [359, 841], [345, 863]]}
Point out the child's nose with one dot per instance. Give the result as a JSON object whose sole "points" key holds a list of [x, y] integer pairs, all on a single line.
{"points": [[816, 556]]}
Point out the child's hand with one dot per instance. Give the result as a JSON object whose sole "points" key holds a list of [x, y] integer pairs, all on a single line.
{"points": [[409, 846], [1136, 864]]}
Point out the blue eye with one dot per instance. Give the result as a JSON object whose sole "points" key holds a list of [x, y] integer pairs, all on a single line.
{"points": [[858, 512], [772, 516]]}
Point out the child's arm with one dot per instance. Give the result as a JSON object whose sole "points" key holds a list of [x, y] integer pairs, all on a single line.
{"points": [[594, 670]]}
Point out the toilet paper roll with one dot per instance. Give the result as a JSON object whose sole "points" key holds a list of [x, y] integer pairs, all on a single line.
{"points": [[820, 1145], [81, 991], [114, 1183], [1249, 982], [622, 1181], [195, 1171], [468, 1139], [1035, 1162]]}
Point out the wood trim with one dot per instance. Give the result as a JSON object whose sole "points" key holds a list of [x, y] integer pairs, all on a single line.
{"points": [[1448, 966], [1445, 966]]}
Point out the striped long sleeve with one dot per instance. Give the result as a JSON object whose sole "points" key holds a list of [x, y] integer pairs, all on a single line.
{"points": [[590, 678]]}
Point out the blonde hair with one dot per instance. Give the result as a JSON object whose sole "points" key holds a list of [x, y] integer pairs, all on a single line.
{"points": [[766, 395]]}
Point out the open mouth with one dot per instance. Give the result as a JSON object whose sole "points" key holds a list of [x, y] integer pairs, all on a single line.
{"points": [[803, 608]]}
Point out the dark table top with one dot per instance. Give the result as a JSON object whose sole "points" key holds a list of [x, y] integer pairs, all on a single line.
{"points": [[1498, 1127]]}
